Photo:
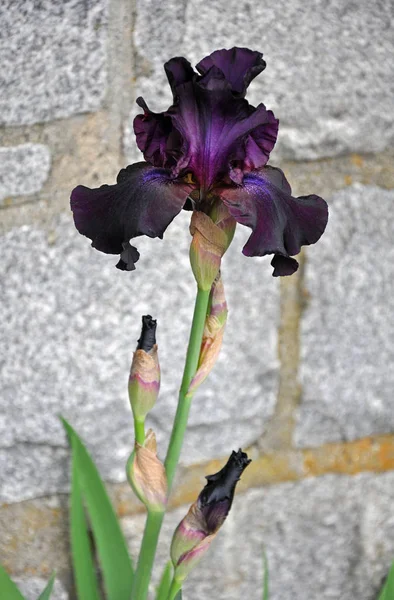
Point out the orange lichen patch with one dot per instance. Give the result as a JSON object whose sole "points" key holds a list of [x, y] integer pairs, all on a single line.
{"points": [[367, 454], [348, 458], [34, 536], [348, 179], [357, 160]]}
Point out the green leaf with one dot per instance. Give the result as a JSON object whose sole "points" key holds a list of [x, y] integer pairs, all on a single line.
{"points": [[387, 592], [84, 570], [165, 582], [8, 588], [266, 576], [111, 545], [46, 594], [179, 595]]}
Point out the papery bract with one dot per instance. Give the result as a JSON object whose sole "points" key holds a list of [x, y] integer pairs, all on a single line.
{"points": [[147, 475]]}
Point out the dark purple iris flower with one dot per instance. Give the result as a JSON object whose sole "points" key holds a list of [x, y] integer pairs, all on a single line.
{"points": [[210, 145]]}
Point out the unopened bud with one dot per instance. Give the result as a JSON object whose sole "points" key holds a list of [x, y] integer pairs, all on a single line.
{"points": [[199, 527], [212, 336], [144, 380], [147, 475], [210, 242]]}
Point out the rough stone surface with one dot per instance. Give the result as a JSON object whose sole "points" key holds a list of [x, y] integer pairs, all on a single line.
{"points": [[324, 538], [347, 329], [31, 588], [328, 77], [23, 170], [53, 59], [70, 323], [34, 539]]}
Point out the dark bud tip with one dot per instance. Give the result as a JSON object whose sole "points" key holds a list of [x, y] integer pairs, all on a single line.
{"points": [[148, 334], [216, 498]]}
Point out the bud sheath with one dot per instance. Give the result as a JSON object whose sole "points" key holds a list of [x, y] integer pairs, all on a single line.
{"points": [[211, 238], [147, 474], [144, 380], [212, 336]]}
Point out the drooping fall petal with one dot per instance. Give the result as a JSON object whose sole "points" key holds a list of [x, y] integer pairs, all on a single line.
{"points": [[280, 223], [144, 201]]}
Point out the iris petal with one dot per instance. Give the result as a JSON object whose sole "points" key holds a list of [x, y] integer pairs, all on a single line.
{"points": [[144, 201], [280, 223], [217, 127], [210, 130], [178, 71], [238, 65], [152, 131]]}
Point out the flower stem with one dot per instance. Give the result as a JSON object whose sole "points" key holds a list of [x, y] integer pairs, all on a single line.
{"points": [[184, 402], [174, 589], [147, 554], [154, 520], [139, 431]]}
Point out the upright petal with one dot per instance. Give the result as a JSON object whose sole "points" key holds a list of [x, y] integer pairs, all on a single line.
{"points": [[280, 223], [210, 130], [156, 137], [178, 71], [238, 65], [218, 128], [144, 201]]}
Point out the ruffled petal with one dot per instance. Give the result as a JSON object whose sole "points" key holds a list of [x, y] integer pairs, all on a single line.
{"points": [[222, 134], [280, 223], [156, 137], [144, 201], [210, 130], [238, 65], [178, 71]]}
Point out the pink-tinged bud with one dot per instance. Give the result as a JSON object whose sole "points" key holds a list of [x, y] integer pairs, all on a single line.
{"points": [[144, 380], [147, 475], [213, 335], [199, 527], [208, 245]]}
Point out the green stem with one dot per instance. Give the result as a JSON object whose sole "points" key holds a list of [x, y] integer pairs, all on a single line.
{"points": [[139, 431], [174, 589], [154, 520], [147, 554], [184, 401]]}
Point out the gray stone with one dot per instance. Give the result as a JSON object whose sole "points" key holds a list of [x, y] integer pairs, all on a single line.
{"points": [[31, 588], [70, 322], [347, 328], [53, 59], [325, 538], [328, 76], [23, 169]]}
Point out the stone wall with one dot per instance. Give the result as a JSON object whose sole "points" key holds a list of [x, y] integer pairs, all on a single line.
{"points": [[305, 379]]}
